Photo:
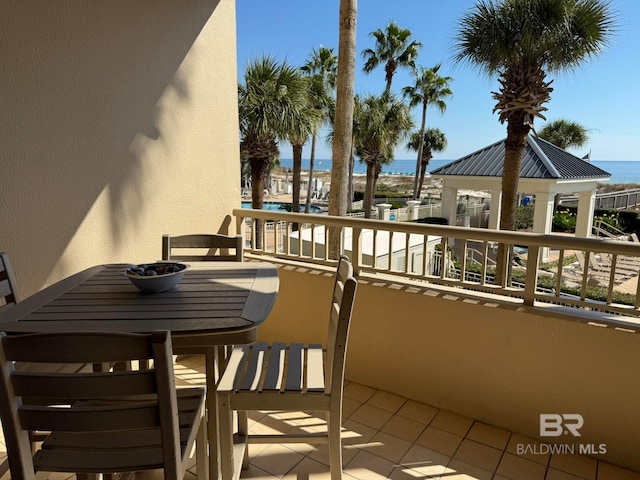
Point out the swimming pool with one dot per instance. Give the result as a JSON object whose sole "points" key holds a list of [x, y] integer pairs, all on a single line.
{"points": [[275, 207]]}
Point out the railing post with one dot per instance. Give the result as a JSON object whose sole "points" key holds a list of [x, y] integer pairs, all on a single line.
{"points": [[240, 230], [412, 206], [384, 211], [437, 267], [531, 277], [356, 250]]}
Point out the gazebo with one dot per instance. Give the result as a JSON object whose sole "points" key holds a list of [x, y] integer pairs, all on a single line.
{"points": [[546, 170]]}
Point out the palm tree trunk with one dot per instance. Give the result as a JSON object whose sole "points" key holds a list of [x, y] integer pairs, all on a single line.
{"points": [[376, 175], [297, 180], [416, 190], [312, 161], [259, 172], [343, 126], [388, 86], [369, 189], [297, 175], [515, 143], [351, 164], [423, 171]]}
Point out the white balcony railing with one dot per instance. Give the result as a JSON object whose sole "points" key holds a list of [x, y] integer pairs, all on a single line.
{"points": [[586, 273]]}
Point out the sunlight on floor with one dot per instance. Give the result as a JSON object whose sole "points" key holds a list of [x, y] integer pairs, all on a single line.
{"points": [[387, 436]]}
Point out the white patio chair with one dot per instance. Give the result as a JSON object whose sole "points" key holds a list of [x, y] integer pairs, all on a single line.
{"points": [[290, 378]]}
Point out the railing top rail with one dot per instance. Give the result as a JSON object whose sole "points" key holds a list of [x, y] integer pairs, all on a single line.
{"points": [[618, 193], [483, 234]]}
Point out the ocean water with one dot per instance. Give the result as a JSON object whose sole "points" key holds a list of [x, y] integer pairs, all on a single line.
{"points": [[622, 171]]}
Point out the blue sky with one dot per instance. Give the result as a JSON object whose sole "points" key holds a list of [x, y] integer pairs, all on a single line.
{"points": [[603, 95]]}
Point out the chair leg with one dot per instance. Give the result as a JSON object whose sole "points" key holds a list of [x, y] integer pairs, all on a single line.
{"points": [[243, 429], [225, 425], [223, 356], [202, 459], [334, 425], [212, 411]]}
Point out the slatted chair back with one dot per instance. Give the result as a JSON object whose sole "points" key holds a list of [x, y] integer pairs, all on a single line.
{"points": [[290, 377], [339, 323], [8, 291], [218, 247], [119, 421]]}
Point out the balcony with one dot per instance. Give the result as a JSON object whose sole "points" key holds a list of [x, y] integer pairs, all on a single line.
{"points": [[432, 333], [389, 436], [448, 373]]}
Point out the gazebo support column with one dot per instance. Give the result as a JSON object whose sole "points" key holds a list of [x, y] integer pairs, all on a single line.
{"points": [[494, 212], [450, 204], [584, 220], [542, 217]]}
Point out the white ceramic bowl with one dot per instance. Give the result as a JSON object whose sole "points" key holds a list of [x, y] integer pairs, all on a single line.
{"points": [[167, 275]]}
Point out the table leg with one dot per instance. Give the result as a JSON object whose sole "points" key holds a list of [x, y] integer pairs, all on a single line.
{"points": [[212, 411]]}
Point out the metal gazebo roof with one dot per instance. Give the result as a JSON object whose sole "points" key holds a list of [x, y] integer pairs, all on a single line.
{"points": [[541, 160]]}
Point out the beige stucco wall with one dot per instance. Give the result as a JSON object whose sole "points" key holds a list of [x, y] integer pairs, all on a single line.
{"points": [[118, 123], [497, 363]]}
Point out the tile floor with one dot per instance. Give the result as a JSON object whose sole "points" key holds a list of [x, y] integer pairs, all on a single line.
{"points": [[387, 436]]}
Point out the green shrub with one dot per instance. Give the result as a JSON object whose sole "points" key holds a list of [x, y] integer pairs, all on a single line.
{"points": [[611, 219], [389, 194], [599, 294], [564, 221], [629, 221], [400, 188], [524, 217]]}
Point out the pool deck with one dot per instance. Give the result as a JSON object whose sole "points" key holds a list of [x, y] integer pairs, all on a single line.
{"points": [[288, 198]]}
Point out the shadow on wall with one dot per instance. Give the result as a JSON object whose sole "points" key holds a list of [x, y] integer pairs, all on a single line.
{"points": [[81, 95]]}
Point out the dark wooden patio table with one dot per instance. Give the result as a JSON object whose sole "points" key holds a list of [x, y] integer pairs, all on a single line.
{"points": [[216, 303]]}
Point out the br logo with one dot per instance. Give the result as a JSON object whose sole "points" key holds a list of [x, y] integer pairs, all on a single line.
{"points": [[555, 425]]}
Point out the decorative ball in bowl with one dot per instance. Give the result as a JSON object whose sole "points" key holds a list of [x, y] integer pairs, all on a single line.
{"points": [[155, 277]]}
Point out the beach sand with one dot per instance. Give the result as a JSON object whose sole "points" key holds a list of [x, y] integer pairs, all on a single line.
{"points": [[402, 184]]}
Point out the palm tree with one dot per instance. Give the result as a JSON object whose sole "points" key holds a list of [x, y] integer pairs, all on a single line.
{"points": [[343, 120], [309, 120], [271, 103], [432, 141], [321, 68], [521, 41], [394, 48], [383, 122], [564, 134], [429, 87]]}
